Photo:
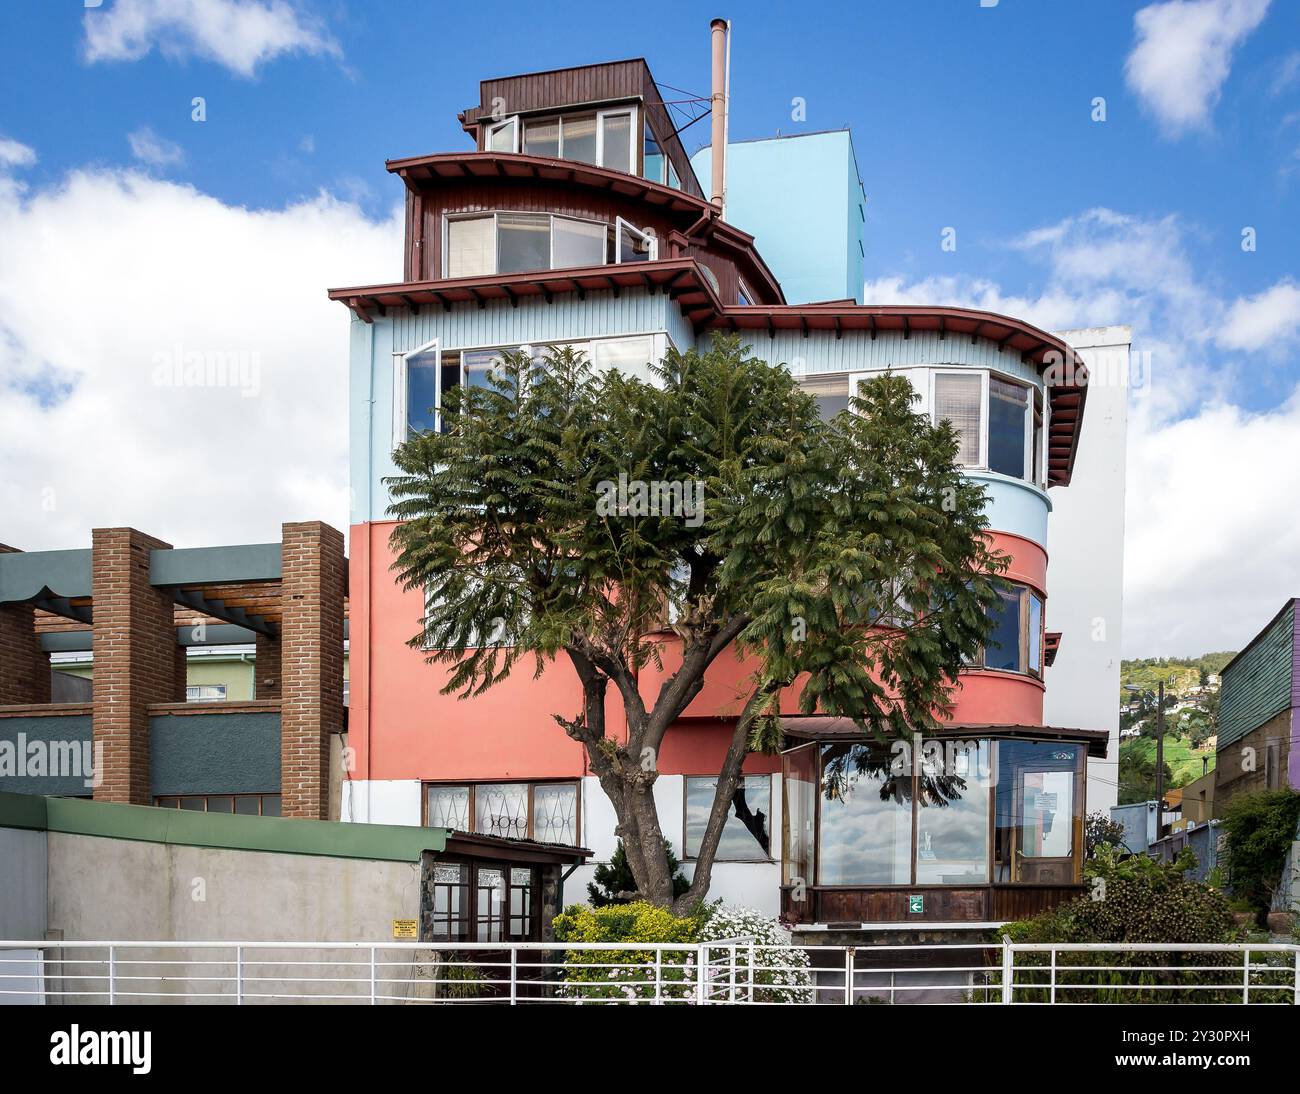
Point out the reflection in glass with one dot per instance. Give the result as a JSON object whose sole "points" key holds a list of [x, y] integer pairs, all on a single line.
{"points": [[580, 138], [616, 134], [542, 138], [745, 835], [952, 828], [865, 835], [1038, 807], [577, 243], [422, 391], [523, 242], [1008, 406], [1002, 649], [799, 804]]}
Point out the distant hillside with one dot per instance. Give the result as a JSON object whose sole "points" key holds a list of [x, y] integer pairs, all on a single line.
{"points": [[1186, 672]]}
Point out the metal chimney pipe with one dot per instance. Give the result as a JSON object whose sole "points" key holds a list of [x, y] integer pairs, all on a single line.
{"points": [[718, 104]]}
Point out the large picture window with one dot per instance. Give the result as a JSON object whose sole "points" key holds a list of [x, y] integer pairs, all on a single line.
{"points": [[999, 420], [603, 139], [506, 242], [746, 835], [546, 812], [1015, 643], [961, 813]]}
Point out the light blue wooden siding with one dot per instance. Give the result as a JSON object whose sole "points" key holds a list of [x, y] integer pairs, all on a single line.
{"points": [[1015, 507], [601, 315], [1257, 685], [821, 351]]}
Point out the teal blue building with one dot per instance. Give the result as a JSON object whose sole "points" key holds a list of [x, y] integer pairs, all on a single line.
{"points": [[801, 198]]}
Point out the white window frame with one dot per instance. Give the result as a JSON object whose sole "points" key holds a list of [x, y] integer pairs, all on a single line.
{"points": [[513, 122], [982, 445], [922, 378], [495, 214], [646, 234], [401, 426], [633, 117]]}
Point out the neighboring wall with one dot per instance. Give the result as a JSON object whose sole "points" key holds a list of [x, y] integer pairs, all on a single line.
{"points": [[1085, 570], [1257, 712]]}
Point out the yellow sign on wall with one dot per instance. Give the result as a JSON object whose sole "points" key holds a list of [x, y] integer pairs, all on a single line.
{"points": [[405, 930]]}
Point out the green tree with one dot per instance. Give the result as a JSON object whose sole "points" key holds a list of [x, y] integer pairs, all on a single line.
{"points": [[614, 883], [790, 537]]}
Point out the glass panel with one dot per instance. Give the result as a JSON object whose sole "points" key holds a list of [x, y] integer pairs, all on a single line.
{"points": [[1038, 437], [490, 899], [1035, 633], [673, 180], [577, 243], [523, 242], [1002, 650], [952, 833], [653, 168], [167, 803], [798, 790], [270, 805], [957, 399], [745, 835], [1045, 828], [422, 391], [501, 809], [865, 836], [247, 805], [630, 356], [501, 137], [1038, 810], [555, 813], [636, 246], [221, 803], [580, 138], [450, 904], [471, 247], [193, 803], [542, 138], [617, 141], [831, 393], [448, 807], [1007, 408], [477, 365]]}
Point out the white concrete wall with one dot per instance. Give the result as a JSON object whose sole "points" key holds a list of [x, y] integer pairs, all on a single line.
{"points": [[752, 884], [1085, 549]]}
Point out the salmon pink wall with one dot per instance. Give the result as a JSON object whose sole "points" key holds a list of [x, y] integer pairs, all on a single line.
{"points": [[401, 727]]}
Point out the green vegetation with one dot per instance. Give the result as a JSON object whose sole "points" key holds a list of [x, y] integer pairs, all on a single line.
{"points": [[1137, 766], [1178, 673], [614, 881], [1138, 899], [1260, 827]]}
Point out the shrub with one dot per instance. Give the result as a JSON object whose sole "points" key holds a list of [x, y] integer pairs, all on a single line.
{"points": [[1260, 828], [781, 973], [614, 880], [1135, 899], [1099, 829], [627, 975]]}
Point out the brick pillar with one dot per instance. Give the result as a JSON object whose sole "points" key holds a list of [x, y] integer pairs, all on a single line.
{"points": [[134, 640], [24, 666], [311, 664], [266, 673]]}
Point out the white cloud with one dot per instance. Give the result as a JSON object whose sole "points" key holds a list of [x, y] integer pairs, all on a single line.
{"points": [[1269, 319], [148, 147], [1211, 523], [15, 154], [239, 34], [1183, 54], [101, 422]]}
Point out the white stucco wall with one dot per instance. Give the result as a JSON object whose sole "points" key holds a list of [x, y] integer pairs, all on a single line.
{"points": [[1085, 549]]}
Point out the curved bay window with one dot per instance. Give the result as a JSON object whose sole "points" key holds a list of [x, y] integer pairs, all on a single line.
{"points": [[1015, 644], [933, 812]]}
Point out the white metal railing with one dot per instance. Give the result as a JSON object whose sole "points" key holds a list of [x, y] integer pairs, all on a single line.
{"points": [[736, 971]]}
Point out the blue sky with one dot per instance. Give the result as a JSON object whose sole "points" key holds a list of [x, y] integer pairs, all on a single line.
{"points": [[962, 115]]}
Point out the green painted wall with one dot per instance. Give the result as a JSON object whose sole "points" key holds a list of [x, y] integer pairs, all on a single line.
{"points": [[61, 741], [1257, 685], [229, 753]]}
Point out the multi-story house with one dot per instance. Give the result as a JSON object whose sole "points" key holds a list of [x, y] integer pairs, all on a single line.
{"points": [[577, 218]]}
